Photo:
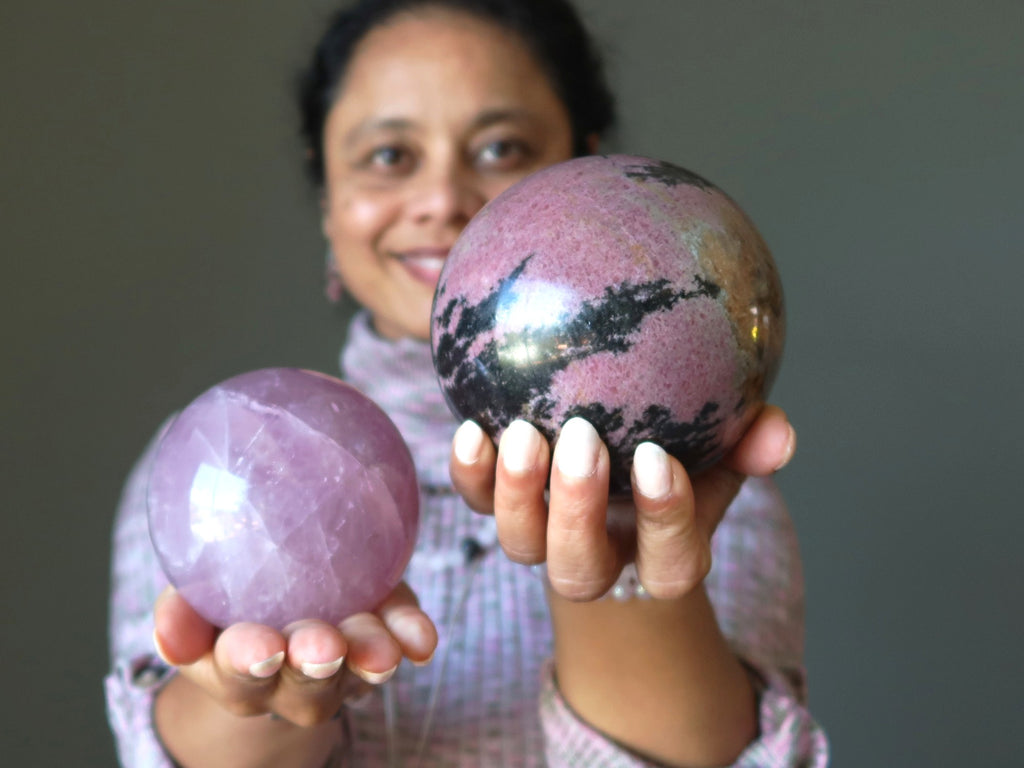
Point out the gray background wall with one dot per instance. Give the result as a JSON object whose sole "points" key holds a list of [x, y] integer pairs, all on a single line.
{"points": [[157, 236]]}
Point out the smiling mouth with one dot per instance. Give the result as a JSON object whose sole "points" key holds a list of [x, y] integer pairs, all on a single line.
{"points": [[423, 266]]}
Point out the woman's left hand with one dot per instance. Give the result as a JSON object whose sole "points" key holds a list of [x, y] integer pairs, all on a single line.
{"points": [[675, 514]]}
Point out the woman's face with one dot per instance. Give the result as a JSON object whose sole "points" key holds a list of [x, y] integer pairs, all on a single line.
{"points": [[437, 114]]}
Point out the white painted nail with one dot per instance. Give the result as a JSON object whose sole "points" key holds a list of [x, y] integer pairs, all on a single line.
{"points": [[267, 667], [321, 671], [469, 442], [425, 661], [790, 449], [373, 678], [651, 471], [578, 448], [520, 446], [160, 649]]}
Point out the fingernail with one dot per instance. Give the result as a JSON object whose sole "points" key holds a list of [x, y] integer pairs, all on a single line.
{"points": [[577, 448], [411, 632], [790, 448], [520, 446], [469, 442], [425, 661], [408, 629], [322, 670], [652, 473], [373, 678], [267, 667], [160, 649]]}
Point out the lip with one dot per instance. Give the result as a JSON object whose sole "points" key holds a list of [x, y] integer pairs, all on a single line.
{"points": [[423, 264]]}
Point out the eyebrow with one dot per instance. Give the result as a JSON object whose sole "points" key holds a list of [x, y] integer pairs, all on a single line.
{"points": [[492, 116], [377, 124], [398, 124]]}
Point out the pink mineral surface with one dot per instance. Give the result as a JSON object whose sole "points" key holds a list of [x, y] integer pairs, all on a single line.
{"points": [[282, 494], [623, 289]]}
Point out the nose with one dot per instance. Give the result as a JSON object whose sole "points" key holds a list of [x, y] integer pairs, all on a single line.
{"points": [[446, 194]]}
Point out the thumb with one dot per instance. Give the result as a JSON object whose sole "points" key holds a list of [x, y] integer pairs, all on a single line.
{"points": [[180, 634]]}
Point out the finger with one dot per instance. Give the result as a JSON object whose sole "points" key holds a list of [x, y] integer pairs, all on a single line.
{"points": [[472, 467], [673, 547], [180, 634], [582, 561], [373, 654], [713, 492], [250, 651], [246, 661], [309, 689], [766, 446], [316, 650], [409, 626], [520, 477]]}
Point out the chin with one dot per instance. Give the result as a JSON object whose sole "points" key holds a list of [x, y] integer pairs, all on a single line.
{"points": [[402, 328]]}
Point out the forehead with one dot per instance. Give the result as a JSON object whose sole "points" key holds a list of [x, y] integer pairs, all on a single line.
{"points": [[441, 60]]}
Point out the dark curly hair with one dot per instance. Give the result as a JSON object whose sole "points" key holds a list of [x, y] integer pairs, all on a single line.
{"points": [[551, 29]]}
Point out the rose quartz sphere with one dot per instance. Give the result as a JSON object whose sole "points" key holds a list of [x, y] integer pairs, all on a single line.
{"points": [[282, 494], [622, 289]]}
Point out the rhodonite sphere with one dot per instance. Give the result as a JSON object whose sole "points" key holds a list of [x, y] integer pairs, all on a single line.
{"points": [[282, 494], [623, 289]]}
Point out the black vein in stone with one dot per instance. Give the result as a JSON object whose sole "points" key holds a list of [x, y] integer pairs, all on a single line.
{"points": [[494, 389], [668, 174]]}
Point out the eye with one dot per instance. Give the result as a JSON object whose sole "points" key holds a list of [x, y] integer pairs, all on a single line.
{"points": [[503, 154], [389, 158]]}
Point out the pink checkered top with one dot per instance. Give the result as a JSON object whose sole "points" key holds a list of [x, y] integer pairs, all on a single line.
{"points": [[490, 689]]}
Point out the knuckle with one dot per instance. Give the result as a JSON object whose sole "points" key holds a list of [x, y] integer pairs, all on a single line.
{"points": [[517, 503], [579, 590], [668, 590], [681, 578], [670, 533], [658, 508], [523, 555], [522, 547], [512, 512]]}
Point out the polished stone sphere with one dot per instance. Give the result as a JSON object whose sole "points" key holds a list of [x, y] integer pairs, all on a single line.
{"points": [[282, 494], [622, 289]]}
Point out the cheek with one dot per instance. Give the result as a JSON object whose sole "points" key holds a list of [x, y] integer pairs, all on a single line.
{"points": [[358, 219]]}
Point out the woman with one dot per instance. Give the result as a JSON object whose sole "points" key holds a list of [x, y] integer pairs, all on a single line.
{"points": [[417, 112]]}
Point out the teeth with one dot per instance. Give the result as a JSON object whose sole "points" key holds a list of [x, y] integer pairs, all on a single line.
{"points": [[428, 262]]}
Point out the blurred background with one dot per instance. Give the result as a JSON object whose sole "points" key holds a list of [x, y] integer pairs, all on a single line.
{"points": [[157, 236]]}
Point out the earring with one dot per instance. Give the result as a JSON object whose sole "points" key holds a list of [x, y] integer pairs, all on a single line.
{"points": [[334, 288]]}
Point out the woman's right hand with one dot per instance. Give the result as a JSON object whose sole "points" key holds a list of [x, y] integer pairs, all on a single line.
{"points": [[304, 673]]}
